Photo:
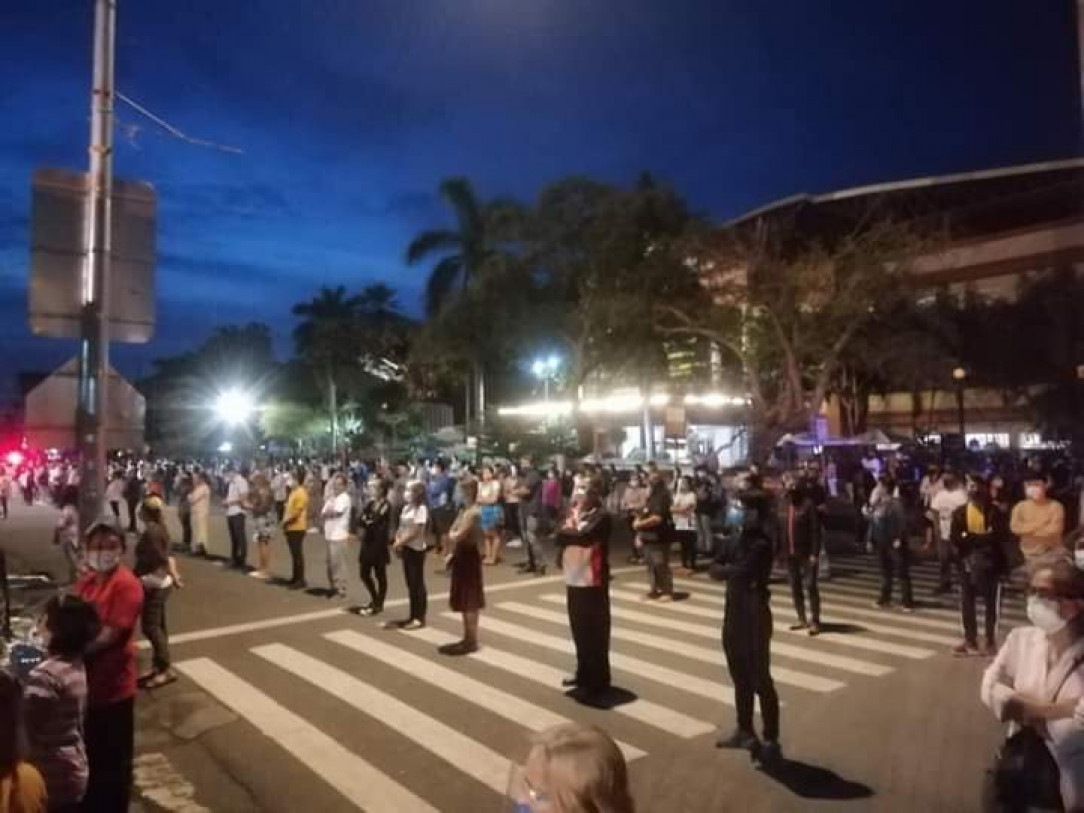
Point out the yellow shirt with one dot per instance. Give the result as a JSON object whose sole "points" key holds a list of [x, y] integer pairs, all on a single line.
{"points": [[297, 510], [24, 792]]}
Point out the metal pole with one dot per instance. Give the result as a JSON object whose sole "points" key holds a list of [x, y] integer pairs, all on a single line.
{"points": [[960, 412], [94, 345], [546, 389]]}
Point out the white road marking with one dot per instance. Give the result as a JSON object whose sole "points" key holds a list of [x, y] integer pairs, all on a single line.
{"points": [[643, 711], [463, 687], [467, 755], [714, 633], [853, 641], [790, 677], [359, 782]]}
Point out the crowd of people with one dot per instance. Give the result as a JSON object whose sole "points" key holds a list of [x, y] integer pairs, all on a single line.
{"points": [[990, 529]]}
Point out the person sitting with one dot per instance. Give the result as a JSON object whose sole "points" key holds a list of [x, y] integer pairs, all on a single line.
{"points": [[56, 699], [22, 789]]}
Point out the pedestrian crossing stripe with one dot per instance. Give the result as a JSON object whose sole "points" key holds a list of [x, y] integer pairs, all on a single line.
{"points": [[848, 640], [469, 756], [643, 711], [465, 688], [714, 633], [355, 779], [803, 680]]}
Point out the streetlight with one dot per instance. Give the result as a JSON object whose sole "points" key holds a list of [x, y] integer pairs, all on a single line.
{"points": [[959, 375], [546, 369], [234, 407]]}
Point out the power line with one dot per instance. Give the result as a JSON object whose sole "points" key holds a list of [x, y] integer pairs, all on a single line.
{"points": [[175, 132]]}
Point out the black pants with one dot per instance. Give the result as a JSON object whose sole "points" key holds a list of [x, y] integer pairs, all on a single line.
{"points": [[154, 627], [688, 542], [132, 515], [280, 510], [186, 530], [4, 506], [109, 732], [589, 618], [238, 542], [374, 575], [747, 635], [972, 587], [414, 571], [895, 562], [116, 508], [295, 540], [803, 579]]}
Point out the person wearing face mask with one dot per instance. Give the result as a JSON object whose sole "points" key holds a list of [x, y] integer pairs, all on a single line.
{"points": [[336, 517], [802, 547], [654, 528], [295, 523], [978, 531], [109, 728], [745, 564], [1036, 684], [1038, 521]]}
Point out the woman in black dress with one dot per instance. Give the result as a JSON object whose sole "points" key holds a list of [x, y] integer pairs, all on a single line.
{"points": [[466, 594], [374, 557]]}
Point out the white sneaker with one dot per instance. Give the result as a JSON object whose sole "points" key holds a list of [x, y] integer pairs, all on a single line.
{"points": [[514, 543]]}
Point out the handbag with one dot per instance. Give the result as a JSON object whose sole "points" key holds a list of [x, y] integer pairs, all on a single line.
{"points": [[1025, 775]]}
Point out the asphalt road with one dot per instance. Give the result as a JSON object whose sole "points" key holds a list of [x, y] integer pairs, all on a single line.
{"points": [[289, 702]]}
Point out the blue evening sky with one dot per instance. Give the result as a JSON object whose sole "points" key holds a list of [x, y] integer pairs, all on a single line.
{"points": [[350, 112]]}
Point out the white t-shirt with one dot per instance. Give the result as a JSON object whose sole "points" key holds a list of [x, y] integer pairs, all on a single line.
{"points": [[337, 529], [238, 490], [114, 492], [415, 515], [684, 500], [944, 504]]}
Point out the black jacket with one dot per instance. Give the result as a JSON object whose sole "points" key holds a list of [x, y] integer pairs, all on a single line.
{"points": [[800, 535], [981, 553]]}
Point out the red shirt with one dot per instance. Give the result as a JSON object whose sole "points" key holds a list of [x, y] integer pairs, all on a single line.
{"points": [[111, 672]]}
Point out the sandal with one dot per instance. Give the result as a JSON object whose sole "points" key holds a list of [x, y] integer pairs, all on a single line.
{"points": [[160, 680]]}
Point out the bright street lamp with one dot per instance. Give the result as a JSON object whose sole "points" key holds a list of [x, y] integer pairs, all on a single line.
{"points": [[546, 369], [234, 407], [959, 375]]}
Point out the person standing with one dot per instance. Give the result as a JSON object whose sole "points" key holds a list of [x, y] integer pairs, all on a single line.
{"points": [[489, 503], [261, 502], [236, 499], [802, 547], [745, 564], [466, 595], [5, 491], [412, 541], [336, 519], [280, 491], [654, 527], [707, 506], [978, 534], [1038, 520], [133, 495], [942, 506], [295, 524], [441, 491], [117, 597], [532, 517], [686, 523], [56, 698], [374, 556], [66, 535], [584, 543], [200, 502], [182, 491], [888, 536], [157, 571], [633, 502]]}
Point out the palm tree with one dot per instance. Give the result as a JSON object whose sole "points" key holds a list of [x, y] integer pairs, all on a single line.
{"points": [[461, 254], [325, 338]]}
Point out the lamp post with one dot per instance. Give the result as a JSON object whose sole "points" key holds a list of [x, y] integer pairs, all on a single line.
{"points": [[959, 375], [545, 369]]}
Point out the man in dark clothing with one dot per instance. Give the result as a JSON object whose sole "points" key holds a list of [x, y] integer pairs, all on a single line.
{"points": [[530, 505], [584, 550], [978, 534], [707, 506], [655, 526], [745, 563], [801, 542]]}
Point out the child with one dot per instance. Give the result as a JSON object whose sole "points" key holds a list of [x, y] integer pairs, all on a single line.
{"points": [[56, 696]]}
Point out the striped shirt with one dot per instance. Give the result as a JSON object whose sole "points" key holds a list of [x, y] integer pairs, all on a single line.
{"points": [[56, 700]]}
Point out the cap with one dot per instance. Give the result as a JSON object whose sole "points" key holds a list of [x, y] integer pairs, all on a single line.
{"points": [[153, 502], [106, 521]]}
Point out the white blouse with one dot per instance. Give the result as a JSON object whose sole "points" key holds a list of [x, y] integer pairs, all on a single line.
{"points": [[1024, 665]]}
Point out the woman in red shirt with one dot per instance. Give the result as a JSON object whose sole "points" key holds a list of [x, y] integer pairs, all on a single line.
{"points": [[109, 729]]}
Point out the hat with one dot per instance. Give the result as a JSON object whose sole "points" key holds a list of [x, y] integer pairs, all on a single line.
{"points": [[106, 521], [153, 502]]}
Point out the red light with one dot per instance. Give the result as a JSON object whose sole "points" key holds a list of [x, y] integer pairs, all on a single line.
{"points": [[15, 458]]}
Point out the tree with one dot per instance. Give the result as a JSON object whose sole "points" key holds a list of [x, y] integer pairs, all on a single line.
{"points": [[462, 256], [326, 339], [787, 307]]}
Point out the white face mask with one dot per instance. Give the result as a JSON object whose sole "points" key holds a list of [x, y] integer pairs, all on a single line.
{"points": [[102, 561], [1078, 557], [1043, 613], [1033, 492]]}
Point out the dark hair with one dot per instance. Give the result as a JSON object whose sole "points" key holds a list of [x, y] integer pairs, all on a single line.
{"points": [[72, 624], [592, 498], [469, 488], [12, 732], [69, 496]]}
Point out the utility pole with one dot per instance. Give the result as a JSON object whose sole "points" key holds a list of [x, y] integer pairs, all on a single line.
{"points": [[94, 342]]}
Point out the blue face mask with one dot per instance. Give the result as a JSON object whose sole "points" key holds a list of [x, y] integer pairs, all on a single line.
{"points": [[735, 516]]}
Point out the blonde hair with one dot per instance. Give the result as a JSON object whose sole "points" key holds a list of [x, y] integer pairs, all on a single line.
{"points": [[584, 769]]}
